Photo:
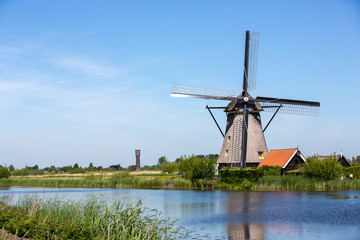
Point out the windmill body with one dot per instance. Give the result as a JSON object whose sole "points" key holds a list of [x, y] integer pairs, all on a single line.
{"points": [[230, 154], [244, 142]]}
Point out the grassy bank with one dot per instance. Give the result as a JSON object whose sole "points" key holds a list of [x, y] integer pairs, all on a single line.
{"points": [[52, 219], [299, 183], [169, 181], [90, 180]]}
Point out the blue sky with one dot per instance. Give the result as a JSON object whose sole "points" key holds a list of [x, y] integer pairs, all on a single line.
{"points": [[90, 81]]}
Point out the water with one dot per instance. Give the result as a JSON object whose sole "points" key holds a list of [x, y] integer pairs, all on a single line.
{"points": [[235, 214]]}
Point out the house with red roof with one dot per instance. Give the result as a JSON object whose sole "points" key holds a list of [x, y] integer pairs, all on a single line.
{"points": [[287, 159]]}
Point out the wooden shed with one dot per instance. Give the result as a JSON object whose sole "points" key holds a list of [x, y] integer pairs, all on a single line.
{"points": [[340, 158], [287, 159]]}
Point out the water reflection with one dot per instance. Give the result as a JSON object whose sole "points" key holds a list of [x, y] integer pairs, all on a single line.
{"points": [[243, 207]]}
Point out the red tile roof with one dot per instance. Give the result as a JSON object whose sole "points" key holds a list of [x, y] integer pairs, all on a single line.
{"points": [[278, 157]]}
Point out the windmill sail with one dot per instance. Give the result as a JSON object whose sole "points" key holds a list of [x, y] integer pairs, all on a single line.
{"points": [[253, 56], [289, 106], [201, 92]]}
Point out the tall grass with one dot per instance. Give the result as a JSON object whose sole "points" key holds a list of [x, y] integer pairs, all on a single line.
{"points": [[299, 183], [54, 219], [87, 181]]}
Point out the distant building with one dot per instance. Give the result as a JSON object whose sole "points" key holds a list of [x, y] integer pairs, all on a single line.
{"points": [[340, 158], [137, 155], [287, 159]]}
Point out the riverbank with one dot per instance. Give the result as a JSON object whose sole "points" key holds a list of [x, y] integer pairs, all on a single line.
{"points": [[158, 180], [36, 218]]}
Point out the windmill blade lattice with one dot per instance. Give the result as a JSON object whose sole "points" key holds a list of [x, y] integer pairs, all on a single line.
{"points": [[253, 56], [291, 109], [179, 90]]}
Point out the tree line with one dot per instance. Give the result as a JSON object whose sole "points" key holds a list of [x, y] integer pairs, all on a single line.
{"points": [[76, 168]]}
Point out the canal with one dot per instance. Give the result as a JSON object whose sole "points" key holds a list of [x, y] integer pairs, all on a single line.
{"points": [[235, 214]]}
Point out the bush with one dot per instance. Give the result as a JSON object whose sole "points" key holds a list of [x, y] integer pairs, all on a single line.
{"points": [[4, 172], [169, 167], [270, 171], [77, 170], [328, 169], [354, 170], [117, 177], [237, 176], [27, 172], [194, 168]]}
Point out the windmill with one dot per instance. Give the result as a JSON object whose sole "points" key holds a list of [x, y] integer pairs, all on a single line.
{"points": [[244, 143]]}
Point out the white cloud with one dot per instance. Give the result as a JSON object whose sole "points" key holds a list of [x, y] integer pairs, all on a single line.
{"points": [[86, 66]]}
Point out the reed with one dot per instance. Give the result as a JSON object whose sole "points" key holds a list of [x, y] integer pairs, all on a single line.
{"points": [[299, 183], [55, 219]]}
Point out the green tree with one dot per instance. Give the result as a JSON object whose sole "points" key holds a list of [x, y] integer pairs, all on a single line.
{"points": [[52, 169], [327, 169], [76, 166], [169, 167], [4, 172], [162, 160], [194, 168], [131, 167], [11, 168], [355, 159]]}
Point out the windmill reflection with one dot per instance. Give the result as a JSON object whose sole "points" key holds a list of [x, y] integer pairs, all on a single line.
{"points": [[244, 209]]}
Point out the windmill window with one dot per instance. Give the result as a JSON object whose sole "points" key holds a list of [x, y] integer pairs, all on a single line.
{"points": [[229, 139], [226, 152], [261, 155]]}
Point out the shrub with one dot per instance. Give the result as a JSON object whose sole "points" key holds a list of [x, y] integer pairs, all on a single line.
{"points": [[354, 170], [77, 170], [4, 172], [270, 171], [169, 167], [117, 177], [194, 168], [237, 176], [328, 169]]}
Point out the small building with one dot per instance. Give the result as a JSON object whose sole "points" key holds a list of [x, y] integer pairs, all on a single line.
{"points": [[287, 159], [340, 158]]}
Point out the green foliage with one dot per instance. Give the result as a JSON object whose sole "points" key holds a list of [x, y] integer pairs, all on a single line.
{"points": [[270, 171], [170, 167], [194, 168], [162, 160], [115, 178], [27, 172], [131, 167], [354, 170], [237, 176], [300, 183], [4, 172], [53, 219], [355, 159], [77, 170], [11, 168], [246, 185], [327, 169], [152, 167], [209, 156]]}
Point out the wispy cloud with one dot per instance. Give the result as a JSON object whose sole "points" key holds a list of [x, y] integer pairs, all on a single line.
{"points": [[86, 66], [6, 86]]}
